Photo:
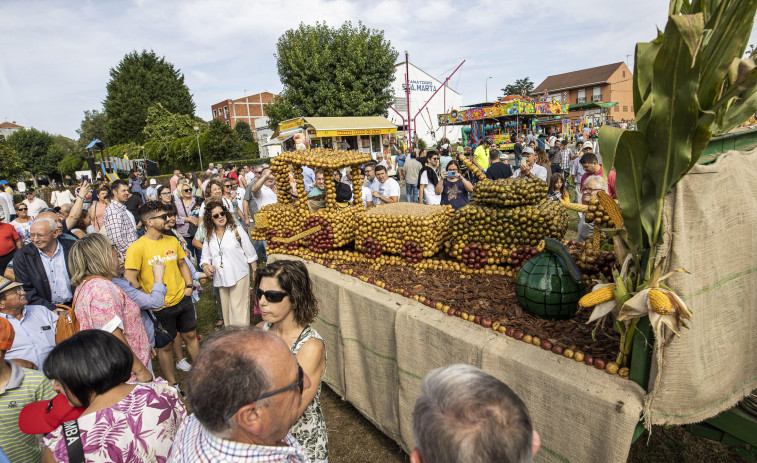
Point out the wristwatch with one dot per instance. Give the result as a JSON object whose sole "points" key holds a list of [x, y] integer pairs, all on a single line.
{"points": [[189, 286]]}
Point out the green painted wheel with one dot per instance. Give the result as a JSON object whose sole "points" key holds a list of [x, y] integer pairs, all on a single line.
{"points": [[546, 288]]}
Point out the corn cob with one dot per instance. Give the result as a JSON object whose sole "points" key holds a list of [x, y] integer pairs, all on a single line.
{"points": [[611, 209], [598, 296], [660, 302], [575, 207]]}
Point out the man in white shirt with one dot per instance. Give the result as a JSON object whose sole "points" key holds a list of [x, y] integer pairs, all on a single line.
{"points": [[211, 169], [264, 189], [388, 190], [528, 166], [34, 326], [7, 208], [35, 204]]}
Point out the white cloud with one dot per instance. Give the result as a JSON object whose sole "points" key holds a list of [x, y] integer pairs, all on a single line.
{"points": [[56, 55]]}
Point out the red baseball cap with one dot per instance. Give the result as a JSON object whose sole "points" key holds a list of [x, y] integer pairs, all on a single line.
{"points": [[47, 415]]}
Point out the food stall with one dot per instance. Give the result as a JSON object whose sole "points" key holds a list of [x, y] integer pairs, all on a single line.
{"points": [[366, 134], [502, 120]]}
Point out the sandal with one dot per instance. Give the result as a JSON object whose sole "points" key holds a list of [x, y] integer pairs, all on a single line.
{"points": [[219, 325]]}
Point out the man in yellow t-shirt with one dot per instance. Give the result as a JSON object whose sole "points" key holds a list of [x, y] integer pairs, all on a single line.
{"points": [[481, 155], [178, 314]]}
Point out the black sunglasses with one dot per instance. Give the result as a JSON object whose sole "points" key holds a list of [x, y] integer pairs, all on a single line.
{"points": [[23, 209], [186, 190], [299, 383], [271, 296], [161, 216], [219, 215]]}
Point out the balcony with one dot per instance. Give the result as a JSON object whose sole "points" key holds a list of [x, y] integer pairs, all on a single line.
{"points": [[581, 99], [596, 98]]}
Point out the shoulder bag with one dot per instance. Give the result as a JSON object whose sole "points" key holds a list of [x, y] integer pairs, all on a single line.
{"points": [[192, 230], [162, 338]]}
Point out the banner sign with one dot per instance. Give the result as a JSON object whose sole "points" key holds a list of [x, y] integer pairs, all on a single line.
{"points": [[510, 108]]}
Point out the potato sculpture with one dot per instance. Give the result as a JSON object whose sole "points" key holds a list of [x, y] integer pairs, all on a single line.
{"points": [[412, 230]]}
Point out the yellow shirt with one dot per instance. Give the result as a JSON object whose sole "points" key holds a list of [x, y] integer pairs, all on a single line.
{"points": [[482, 157], [141, 255]]}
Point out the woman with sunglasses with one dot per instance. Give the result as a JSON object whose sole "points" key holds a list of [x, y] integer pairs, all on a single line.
{"points": [[284, 294], [23, 223], [227, 257]]}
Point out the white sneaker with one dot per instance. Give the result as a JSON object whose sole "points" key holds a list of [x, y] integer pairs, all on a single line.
{"points": [[183, 365]]}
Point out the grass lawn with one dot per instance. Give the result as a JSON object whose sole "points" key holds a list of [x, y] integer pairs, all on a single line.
{"points": [[353, 438]]}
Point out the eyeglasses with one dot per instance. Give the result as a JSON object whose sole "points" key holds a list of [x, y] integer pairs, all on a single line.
{"points": [[589, 190], [434, 159], [219, 215], [22, 209], [16, 290], [161, 217], [167, 193], [227, 186], [299, 383], [271, 296], [35, 236], [186, 190]]}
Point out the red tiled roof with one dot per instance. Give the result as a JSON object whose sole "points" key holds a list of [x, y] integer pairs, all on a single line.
{"points": [[580, 78], [10, 125]]}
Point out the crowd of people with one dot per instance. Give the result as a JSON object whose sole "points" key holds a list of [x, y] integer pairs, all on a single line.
{"points": [[128, 256]]}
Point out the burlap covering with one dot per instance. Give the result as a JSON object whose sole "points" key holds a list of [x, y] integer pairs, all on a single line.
{"points": [[710, 219], [380, 345]]}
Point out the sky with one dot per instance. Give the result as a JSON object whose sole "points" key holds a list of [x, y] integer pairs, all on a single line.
{"points": [[55, 55]]}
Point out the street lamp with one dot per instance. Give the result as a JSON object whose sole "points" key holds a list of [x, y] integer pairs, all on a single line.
{"points": [[197, 136], [487, 88]]}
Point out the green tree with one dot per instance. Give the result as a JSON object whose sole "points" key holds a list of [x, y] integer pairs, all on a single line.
{"points": [[34, 148], [92, 126], [244, 131], [219, 142], [521, 86], [71, 164], [11, 165], [139, 81], [163, 126], [333, 72]]}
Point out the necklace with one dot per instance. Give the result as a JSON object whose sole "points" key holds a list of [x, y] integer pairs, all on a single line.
{"points": [[220, 251]]}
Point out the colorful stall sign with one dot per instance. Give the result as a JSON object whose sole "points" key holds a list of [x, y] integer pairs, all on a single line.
{"points": [[510, 108]]}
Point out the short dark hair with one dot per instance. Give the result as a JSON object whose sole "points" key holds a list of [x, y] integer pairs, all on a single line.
{"points": [[563, 142], [494, 155], [117, 183], [293, 278], [379, 167], [589, 158], [226, 376], [147, 209], [91, 361], [171, 209]]}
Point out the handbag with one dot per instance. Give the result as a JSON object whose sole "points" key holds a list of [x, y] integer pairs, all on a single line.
{"points": [[162, 338], [67, 324], [192, 230]]}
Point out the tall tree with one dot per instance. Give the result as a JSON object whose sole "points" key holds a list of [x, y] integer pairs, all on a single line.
{"points": [[92, 126], [34, 148], [11, 164], [164, 126], [139, 81], [244, 131], [333, 72], [521, 86]]}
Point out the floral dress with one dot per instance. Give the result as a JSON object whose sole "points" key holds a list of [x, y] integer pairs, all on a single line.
{"points": [[310, 430], [23, 229], [138, 429], [102, 305]]}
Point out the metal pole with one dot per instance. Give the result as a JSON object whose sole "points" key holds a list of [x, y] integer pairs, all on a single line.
{"points": [[407, 98], [197, 137]]}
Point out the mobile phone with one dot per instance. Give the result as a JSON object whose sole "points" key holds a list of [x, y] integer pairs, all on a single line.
{"points": [[450, 174]]}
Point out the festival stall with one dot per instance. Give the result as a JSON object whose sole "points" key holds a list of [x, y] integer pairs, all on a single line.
{"points": [[509, 117]]}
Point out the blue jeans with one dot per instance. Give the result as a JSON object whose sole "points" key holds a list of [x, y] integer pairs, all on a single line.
{"points": [[412, 193], [260, 250]]}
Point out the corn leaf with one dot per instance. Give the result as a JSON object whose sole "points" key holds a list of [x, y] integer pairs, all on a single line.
{"points": [[642, 76], [675, 112], [628, 151], [729, 37]]}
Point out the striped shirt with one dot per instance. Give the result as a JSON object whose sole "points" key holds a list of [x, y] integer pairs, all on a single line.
{"points": [[24, 387], [193, 444]]}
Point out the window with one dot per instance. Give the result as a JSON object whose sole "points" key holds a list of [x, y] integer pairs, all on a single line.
{"points": [[624, 73], [617, 108], [581, 96], [215, 113], [226, 110], [596, 94], [625, 109]]}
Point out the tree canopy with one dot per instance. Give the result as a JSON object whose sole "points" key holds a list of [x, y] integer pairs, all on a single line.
{"points": [[38, 150], [521, 86], [138, 82], [345, 71], [12, 164], [92, 126]]}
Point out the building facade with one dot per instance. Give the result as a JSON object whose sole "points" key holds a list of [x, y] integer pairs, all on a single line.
{"points": [[7, 128], [422, 87], [611, 83], [247, 109]]}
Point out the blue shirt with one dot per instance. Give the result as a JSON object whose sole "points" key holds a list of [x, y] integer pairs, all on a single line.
{"points": [[57, 275], [35, 334], [308, 176], [145, 302], [152, 193]]}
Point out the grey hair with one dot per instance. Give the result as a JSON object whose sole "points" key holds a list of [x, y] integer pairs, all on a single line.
{"points": [[226, 376], [465, 414], [51, 224], [600, 182]]}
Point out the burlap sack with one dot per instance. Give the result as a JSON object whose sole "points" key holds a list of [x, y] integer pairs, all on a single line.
{"points": [[388, 343], [710, 219]]}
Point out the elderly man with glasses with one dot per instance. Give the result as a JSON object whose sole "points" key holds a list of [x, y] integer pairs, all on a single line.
{"points": [[592, 185], [261, 384], [42, 265]]}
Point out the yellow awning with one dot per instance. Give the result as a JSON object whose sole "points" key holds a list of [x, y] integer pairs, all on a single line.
{"points": [[349, 126]]}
